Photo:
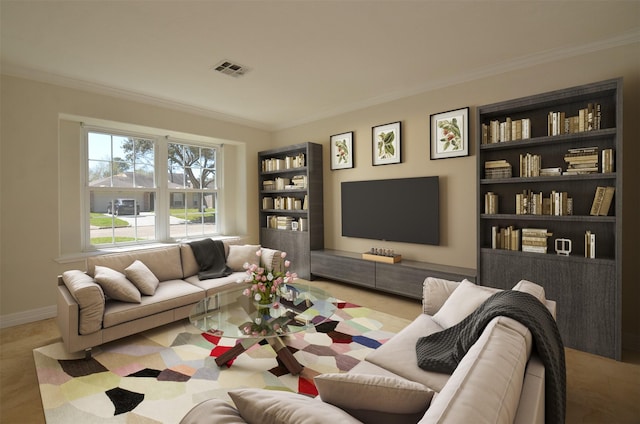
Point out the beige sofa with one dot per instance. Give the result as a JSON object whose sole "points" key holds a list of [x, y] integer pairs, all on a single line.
{"points": [[88, 317], [499, 380]]}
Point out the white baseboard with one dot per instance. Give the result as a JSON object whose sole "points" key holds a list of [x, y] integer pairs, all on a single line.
{"points": [[26, 317]]}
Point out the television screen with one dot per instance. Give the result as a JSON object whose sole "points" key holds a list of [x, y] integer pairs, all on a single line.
{"points": [[403, 209]]}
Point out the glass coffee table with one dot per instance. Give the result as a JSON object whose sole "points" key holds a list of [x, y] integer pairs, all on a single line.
{"points": [[230, 313]]}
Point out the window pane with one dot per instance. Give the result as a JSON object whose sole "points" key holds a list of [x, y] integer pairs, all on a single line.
{"points": [[192, 214], [127, 218]]}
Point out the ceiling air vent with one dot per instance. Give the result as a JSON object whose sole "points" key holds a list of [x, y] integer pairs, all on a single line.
{"points": [[229, 68]]}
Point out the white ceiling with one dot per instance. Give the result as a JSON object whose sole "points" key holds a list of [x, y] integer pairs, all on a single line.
{"points": [[307, 59]]}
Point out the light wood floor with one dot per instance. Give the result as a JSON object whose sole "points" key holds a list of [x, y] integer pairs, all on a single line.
{"points": [[599, 390]]}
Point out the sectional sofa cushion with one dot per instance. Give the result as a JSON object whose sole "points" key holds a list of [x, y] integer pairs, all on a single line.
{"points": [[398, 355], [241, 254], [169, 295], [435, 291], [142, 277], [259, 406], [164, 262], [90, 298], [374, 398], [116, 285]]}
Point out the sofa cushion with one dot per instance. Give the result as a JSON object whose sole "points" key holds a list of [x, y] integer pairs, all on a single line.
{"points": [[90, 298], [169, 295], [436, 291], [142, 277], [532, 288], [189, 264], [115, 285], [486, 385], [272, 259], [241, 254], [213, 410], [398, 355], [365, 396], [463, 301], [216, 285], [164, 262], [260, 406]]}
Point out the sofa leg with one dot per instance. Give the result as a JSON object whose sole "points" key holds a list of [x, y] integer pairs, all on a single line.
{"points": [[87, 353]]}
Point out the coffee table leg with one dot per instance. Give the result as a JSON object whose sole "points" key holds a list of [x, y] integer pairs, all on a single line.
{"points": [[285, 355], [235, 351]]}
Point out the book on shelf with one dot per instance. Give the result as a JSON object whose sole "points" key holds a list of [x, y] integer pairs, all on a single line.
{"points": [[582, 161], [507, 130], [607, 161], [535, 240], [490, 203], [602, 200], [589, 245], [497, 169], [530, 165], [505, 238], [550, 172], [587, 119]]}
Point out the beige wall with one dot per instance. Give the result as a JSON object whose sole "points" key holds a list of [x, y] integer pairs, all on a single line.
{"points": [[39, 160], [40, 197], [458, 176]]}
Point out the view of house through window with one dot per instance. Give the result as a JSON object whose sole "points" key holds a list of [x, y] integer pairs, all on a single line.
{"points": [[129, 201]]}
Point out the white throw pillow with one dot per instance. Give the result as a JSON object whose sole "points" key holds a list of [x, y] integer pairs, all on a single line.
{"points": [[116, 286], [436, 291], [462, 302], [142, 277], [241, 254], [261, 406], [531, 288], [373, 392]]}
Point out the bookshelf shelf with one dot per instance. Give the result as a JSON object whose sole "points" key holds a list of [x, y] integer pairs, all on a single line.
{"points": [[281, 163], [587, 290]]}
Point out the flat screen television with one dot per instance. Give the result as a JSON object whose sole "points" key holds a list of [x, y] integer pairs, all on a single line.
{"points": [[402, 209]]}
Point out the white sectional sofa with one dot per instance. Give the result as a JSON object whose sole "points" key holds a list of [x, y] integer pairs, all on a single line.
{"points": [[499, 380], [88, 317]]}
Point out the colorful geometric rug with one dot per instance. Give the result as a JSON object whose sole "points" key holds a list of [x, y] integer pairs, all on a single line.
{"points": [[159, 375]]}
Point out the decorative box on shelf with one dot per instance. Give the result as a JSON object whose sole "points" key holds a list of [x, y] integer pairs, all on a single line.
{"points": [[382, 258]]}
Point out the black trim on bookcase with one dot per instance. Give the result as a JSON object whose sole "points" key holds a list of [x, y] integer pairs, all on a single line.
{"points": [[587, 291]]}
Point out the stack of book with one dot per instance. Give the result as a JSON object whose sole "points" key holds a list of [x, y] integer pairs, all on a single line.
{"points": [[505, 238], [560, 203], [283, 222], [530, 165], [550, 172], [281, 182], [299, 181], [535, 240], [582, 161], [497, 169], [268, 185], [529, 203]]}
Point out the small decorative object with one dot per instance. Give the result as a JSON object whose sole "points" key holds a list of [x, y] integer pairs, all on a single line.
{"points": [[386, 144], [341, 150], [294, 225], [265, 284], [450, 134], [563, 246]]}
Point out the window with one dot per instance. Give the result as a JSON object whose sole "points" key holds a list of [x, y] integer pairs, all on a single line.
{"points": [[128, 202]]}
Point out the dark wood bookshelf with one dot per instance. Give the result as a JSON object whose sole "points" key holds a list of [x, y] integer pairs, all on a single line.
{"points": [[587, 290]]}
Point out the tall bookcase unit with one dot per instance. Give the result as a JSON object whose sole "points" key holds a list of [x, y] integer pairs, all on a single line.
{"points": [[290, 190], [587, 290]]}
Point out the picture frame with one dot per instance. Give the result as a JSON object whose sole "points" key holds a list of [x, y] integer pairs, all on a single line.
{"points": [[450, 134], [341, 148], [386, 143]]}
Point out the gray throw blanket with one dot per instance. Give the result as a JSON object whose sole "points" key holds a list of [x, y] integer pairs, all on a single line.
{"points": [[211, 258], [443, 351]]}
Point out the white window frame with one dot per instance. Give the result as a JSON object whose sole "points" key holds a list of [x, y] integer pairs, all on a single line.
{"points": [[162, 216]]}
